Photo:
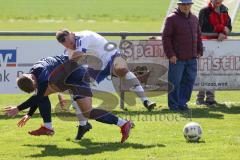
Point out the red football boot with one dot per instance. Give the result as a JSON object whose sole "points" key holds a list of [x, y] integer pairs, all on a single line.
{"points": [[42, 131], [125, 130]]}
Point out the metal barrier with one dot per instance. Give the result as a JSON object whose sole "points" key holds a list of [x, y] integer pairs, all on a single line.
{"points": [[116, 34]]}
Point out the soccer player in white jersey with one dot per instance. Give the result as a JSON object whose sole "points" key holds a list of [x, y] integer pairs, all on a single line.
{"points": [[113, 63]]}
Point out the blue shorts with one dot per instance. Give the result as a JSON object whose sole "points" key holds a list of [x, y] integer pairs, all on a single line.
{"points": [[100, 75], [79, 83], [78, 78], [70, 76]]}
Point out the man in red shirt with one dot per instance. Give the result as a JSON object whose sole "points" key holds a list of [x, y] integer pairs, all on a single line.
{"points": [[213, 18]]}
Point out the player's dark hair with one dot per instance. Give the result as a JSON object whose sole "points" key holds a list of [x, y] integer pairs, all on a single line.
{"points": [[60, 35], [25, 84]]}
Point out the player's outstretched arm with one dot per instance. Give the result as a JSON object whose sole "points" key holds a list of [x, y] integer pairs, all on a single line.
{"points": [[12, 111], [32, 101]]}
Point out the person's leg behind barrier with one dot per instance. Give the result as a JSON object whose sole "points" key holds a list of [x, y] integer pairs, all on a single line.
{"points": [[121, 70], [210, 98], [200, 97]]}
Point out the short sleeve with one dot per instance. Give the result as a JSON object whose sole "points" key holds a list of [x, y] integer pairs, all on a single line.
{"points": [[82, 43]]}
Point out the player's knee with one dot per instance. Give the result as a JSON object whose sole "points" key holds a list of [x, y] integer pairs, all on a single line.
{"points": [[121, 71], [86, 114]]}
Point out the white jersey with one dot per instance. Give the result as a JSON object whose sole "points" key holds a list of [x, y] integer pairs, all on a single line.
{"points": [[93, 43]]}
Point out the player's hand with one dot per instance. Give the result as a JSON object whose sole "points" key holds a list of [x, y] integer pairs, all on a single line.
{"points": [[226, 30], [11, 111], [76, 55], [23, 120], [62, 101], [221, 36], [173, 60]]}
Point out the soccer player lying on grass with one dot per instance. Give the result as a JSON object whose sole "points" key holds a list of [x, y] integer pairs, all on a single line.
{"points": [[69, 76], [40, 73], [113, 63]]}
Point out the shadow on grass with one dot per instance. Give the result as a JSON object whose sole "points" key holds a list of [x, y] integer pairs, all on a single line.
{"points": [[36, 115], [223, 108], [198, 142], [200, 113], [89, 148], [216, 112]]}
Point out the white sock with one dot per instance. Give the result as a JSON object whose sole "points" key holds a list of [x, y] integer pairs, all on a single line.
{"points": [[121, 122], [139, 89], [82, 123], [48, 125], [75, 106], [136, 88], [82, 120]]}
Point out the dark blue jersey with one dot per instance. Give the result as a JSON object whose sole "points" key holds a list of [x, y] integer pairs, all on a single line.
{"points": [[42, 70]]}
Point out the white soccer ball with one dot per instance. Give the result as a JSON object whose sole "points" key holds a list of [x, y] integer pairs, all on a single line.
{"points": [[192, 132]]}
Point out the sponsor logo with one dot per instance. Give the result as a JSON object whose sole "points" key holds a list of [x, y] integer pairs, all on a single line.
{"points": [[8, 58]]}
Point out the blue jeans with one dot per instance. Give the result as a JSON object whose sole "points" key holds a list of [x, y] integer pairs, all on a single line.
{"points": [[181, 76]]}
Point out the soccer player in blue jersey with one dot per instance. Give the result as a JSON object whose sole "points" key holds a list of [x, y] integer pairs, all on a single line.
{"points": [[113, 63], [40, 73], [45, 78]]}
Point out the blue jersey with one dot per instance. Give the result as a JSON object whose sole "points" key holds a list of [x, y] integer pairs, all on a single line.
{"points": [[43, 68]]}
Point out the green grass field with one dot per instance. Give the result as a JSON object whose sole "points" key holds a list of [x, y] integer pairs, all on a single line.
{"points": [[157, 135], [104, 15]]}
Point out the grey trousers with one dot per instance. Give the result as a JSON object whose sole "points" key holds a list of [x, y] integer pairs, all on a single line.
{"points": [[210, 95]]}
